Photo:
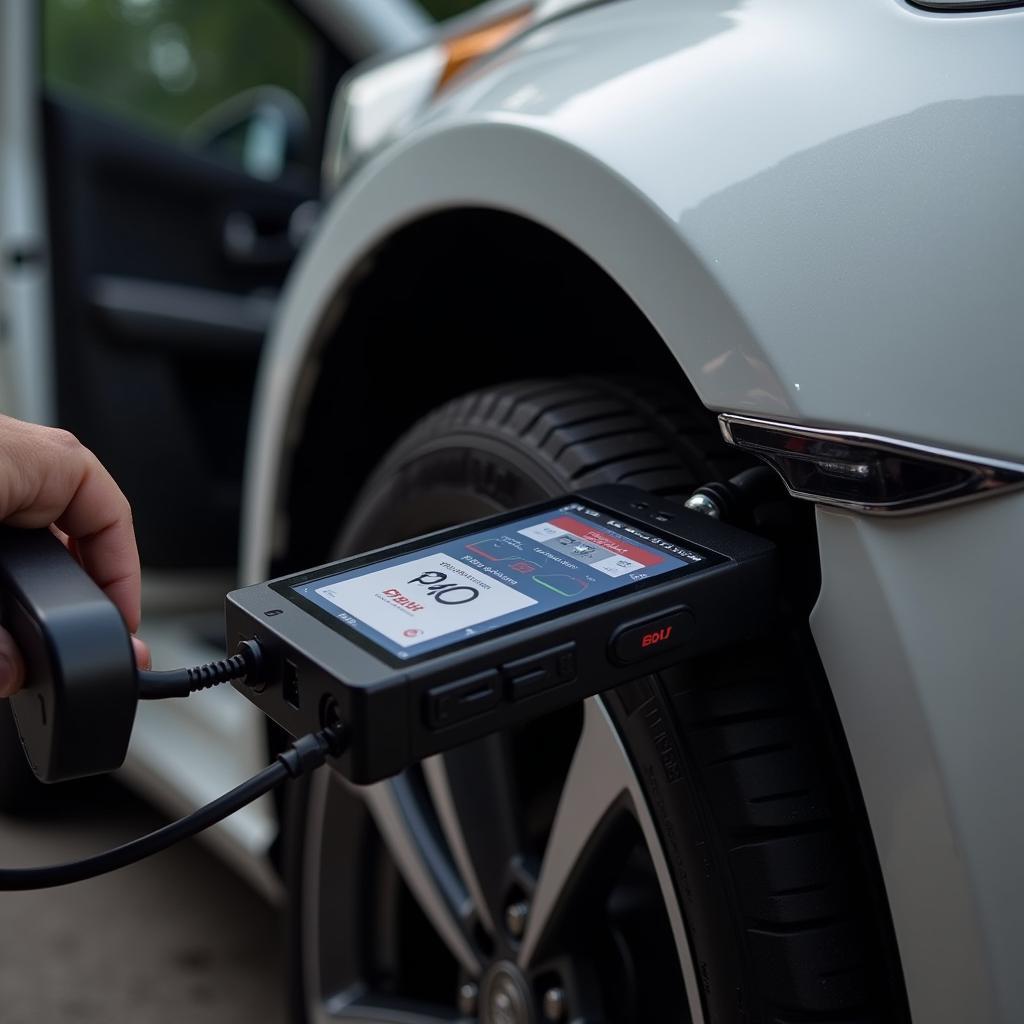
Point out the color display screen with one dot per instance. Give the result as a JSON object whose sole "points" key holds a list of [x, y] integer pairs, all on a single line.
{"points": [[450, 592]]}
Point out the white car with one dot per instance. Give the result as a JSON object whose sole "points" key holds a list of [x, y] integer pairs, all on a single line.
{"points": [[654, 241]]}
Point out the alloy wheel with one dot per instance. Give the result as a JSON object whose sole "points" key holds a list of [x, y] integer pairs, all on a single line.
{"points": [[589, 930]]}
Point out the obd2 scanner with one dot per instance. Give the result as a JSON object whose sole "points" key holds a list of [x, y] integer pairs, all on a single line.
{"points": [[426, 645], [379, 660]]}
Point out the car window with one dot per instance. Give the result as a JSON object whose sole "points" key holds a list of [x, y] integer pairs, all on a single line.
{"points": [[234, 77]]}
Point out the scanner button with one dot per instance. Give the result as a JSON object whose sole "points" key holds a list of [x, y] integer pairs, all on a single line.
{"points": [[565, 663], [530, 682], [463, 699], [541, 671], [635, 641]]}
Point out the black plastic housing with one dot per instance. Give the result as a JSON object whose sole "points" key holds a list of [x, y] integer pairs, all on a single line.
{"points": [[398, 714], [76, 710]]}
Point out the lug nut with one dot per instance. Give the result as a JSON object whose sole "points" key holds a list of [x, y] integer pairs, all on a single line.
{"points": [[515, 918], [467, 1000], [554, 1004]]}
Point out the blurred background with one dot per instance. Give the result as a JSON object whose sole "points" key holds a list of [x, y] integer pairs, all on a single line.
{"points": [[170, 66], [160, 171]]}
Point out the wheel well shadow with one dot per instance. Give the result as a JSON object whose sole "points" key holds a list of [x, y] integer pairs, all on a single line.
{"points": [[455, 302]]}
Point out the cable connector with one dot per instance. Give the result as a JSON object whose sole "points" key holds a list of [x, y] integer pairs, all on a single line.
{"points": [[246, 664], [734, 500], [312, 750]]}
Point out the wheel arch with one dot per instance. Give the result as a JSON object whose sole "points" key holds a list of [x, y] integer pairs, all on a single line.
{"points": [[517, 181]]}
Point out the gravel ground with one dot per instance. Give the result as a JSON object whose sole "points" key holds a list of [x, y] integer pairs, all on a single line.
{"points": [[175, 938]]}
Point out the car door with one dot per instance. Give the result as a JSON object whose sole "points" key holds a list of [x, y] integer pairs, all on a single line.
{"points": [[181, 143], [154, 193]]}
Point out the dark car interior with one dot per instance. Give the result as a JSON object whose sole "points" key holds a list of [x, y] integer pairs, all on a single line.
{"points": [[168, 256]]}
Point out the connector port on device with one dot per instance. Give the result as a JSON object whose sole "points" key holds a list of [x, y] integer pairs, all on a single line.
{"points": [[290, 684]]}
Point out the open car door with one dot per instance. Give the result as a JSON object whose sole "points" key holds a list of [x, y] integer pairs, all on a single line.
{"points": [[167, 158]]}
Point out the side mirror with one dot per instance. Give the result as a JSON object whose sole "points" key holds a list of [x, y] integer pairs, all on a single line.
{"points": [[264, 129]]}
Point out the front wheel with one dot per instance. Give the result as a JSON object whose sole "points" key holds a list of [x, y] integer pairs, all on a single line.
{"points": [[681, 849]]}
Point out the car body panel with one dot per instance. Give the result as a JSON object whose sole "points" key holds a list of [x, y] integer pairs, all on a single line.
{"points": [[819, 207], [364, 29], [715, 226], [770, 186], [919, 628]]}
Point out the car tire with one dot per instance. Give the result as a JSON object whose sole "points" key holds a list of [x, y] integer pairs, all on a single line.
{"points": [[737, 759]]}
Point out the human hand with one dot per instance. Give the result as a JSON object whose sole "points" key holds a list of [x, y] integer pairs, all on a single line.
{"points": [[47, 478]]}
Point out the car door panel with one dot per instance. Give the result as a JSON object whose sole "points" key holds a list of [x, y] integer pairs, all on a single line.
{"points": [[159, 318]]}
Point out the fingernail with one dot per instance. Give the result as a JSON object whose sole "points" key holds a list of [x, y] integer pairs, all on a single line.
{"points": [[8, 676], [142, 654]]}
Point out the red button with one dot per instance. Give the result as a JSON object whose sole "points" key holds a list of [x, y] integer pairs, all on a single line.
{"points": [[636, 641]]}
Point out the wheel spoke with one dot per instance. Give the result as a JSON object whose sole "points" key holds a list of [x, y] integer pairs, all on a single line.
{"points": [[474, 794], [595, 788], [424, 864]]}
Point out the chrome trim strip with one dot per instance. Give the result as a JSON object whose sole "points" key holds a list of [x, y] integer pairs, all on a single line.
{"points": [[983, 477], [966, 6]]}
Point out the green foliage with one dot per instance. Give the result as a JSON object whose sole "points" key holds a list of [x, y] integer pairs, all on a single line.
{"points": [[163, 63]]}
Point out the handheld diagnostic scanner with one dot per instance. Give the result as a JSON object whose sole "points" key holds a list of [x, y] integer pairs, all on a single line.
{"points": [[425, 645], [377, 661]]}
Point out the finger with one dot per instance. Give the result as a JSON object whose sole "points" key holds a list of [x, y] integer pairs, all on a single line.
{"points": [[12, 668], [143, 658], [99, 522], [60, 535], [48, 477]]}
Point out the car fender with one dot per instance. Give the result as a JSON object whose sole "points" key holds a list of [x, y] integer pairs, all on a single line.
{"points": [[501, 166], [787, 242]]}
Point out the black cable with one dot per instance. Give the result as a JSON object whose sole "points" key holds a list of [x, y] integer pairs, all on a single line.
{"points": [[246, 664], [305, 754]]}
